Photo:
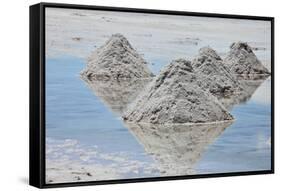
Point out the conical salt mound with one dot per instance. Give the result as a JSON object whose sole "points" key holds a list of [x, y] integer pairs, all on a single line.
{"points": [[175, 97], [243, 62], [204, 54], [213, 75], [116, 59]]}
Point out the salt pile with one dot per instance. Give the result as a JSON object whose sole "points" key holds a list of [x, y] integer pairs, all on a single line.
{"points": [[214, 75], [175, 97], [116, 59], [243, 62]]}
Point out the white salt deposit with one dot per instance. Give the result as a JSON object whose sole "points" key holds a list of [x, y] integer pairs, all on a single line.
{"points": [[243, 62], [116, 59], [214, 76], [69, 161]]}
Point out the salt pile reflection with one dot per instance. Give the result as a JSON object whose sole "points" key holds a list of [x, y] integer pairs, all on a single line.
{"points": [[249, 86], [177, 148], [117, 94]]}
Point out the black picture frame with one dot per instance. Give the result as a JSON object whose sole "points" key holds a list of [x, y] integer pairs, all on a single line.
{"points": [[37, 94]]}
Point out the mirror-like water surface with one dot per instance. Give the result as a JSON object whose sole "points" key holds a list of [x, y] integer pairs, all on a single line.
{"points": [[85, 132]]}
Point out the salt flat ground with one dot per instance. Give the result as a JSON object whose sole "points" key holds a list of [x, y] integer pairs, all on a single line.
{"points": [[160, 38]]}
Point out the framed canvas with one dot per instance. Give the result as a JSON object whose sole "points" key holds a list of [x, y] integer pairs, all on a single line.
{"points": [[121, 95]]}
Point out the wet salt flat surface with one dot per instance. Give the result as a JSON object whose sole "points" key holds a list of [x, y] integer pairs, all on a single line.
{"points": [[86, 138]]}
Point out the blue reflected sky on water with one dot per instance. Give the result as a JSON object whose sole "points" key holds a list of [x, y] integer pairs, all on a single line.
{"points": [[73, 111]]}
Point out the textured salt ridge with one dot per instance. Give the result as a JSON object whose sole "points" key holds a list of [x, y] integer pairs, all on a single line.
{"points": [[243, 62], [214, 76], [176, 148], [116, 59], [175, 97]]}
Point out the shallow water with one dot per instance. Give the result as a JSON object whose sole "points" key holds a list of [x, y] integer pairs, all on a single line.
{"points": [[82, 125]]}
